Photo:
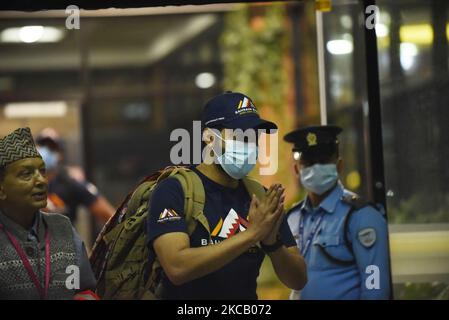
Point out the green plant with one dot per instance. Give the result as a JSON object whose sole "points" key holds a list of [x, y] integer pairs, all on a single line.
{"points": [[253, 44]]}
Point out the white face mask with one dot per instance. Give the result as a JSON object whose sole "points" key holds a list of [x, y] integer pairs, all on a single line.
{"points": [[239, 158], [49, 157], [319, 178]]}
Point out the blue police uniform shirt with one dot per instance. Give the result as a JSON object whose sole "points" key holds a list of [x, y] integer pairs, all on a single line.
{"points": [[226, 210], [368, 277]]}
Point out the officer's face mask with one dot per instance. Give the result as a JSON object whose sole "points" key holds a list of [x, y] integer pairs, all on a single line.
{"points": [[319, 178], [49, 157], [238, 158]]}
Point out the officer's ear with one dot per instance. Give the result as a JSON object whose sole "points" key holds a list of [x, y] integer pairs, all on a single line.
{"points": [[296, 168], [340, 165]]}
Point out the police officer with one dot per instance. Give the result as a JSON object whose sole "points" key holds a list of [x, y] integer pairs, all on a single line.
{"points": [[342, 238]]}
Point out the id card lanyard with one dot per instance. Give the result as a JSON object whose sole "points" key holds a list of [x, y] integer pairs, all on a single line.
{"points": [[304, 247]]}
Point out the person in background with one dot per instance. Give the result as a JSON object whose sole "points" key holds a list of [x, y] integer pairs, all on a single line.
{"points": [[343, 239], [68, 188], [36, 248]]}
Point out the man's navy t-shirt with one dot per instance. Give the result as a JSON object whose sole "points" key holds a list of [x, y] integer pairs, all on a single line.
{"points": [[226, 210]]}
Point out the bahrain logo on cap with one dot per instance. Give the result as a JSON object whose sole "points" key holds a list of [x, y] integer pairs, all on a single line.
{"points": [[245, 106], [168, 215], [232, 224]]}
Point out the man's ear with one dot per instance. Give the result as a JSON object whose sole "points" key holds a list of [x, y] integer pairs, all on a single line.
{"points": [[340, 165], [208, 137], [296, 167], [2, 192]]}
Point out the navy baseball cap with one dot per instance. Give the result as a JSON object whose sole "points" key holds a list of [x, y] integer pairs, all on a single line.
{"points": [[233, 110]]}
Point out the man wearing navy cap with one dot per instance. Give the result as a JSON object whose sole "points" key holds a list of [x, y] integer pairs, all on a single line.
{"points": [[342, 238], [225, 263]]}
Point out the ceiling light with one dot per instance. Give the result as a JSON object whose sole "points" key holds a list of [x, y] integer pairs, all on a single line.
{"points": [[381, 30], [205, 80], [31, 34], [339, 47], [51, 109]]}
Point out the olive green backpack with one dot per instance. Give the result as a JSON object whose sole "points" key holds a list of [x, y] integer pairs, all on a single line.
{"points": [[120, 257]]}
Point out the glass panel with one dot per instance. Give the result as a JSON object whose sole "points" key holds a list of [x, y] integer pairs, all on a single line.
{"points": [[412, 44], [346, 89]]}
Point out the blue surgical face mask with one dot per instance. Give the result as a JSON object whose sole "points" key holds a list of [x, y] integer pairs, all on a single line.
{"points": [[49, 157], [239, 158], [319, 178]]}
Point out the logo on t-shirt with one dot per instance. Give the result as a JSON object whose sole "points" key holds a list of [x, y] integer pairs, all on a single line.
{"points": [[228, 227], [225, 229], [168, 215]]}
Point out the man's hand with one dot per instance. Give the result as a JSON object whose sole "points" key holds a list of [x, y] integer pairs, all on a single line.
{"points": [[265, 218], [272, 236], [265, 214]]}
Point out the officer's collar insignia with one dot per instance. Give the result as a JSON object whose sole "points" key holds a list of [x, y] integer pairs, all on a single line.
{"points": [[311, 139], [367, 237], [350, 197], [354, 201]]}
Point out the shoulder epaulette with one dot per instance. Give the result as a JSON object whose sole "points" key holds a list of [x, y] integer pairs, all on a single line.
{"points": [[355, 201]]}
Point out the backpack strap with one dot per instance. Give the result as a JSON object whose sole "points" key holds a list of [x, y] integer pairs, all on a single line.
{"points": [[140, 195], [347, 243], [356, 203], [254, 187], [138, 203], [194, 199]]}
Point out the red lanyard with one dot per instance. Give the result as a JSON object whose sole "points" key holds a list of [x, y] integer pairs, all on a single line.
{"points": [[43, 292]]}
